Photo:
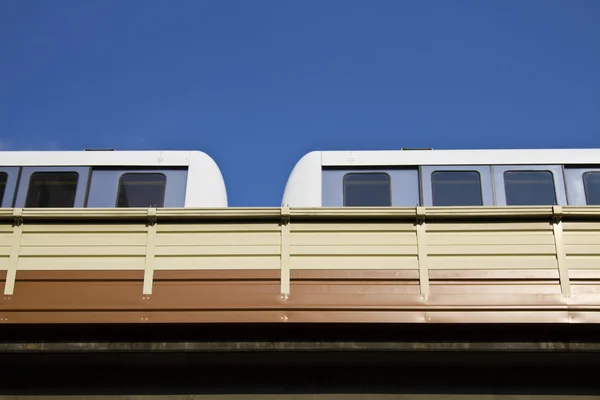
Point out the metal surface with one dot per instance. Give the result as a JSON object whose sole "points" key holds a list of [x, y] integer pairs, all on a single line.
{"points": [[400, 265]]}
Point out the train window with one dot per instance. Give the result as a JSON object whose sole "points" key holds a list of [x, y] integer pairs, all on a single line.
{"points": [[529, 188], [141, 190], [367, 190], [52, 189], [591, 185], [456, 188], [3, 180]]}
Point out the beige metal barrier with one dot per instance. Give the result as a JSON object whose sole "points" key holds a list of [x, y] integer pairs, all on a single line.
{"points": [[439, 264]]}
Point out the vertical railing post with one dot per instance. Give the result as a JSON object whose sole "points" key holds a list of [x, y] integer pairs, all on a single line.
{"points": [[150, 251], [561, 256], [285, 250], [422, 251], [13, 261]]}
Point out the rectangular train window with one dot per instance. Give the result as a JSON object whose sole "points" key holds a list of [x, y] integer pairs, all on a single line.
{"points": [[3, 180], [52, 189], [402, 186], [529, 188], [141, 190], [367, 190], [456, 188], [591, 185]]}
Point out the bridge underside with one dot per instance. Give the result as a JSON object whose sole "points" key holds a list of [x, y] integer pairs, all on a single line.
{"points": [[301, 361]]}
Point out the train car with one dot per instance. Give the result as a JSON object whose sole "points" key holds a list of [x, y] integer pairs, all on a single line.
{"points": [[428, 177], [106, 179]]}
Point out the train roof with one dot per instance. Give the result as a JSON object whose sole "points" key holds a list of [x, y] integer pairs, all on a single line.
{"points": [[107, 158], [456, 157]]}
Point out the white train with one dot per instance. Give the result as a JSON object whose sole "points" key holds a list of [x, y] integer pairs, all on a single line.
{"points": [[320, 179], [99, 179], [445, 178]]}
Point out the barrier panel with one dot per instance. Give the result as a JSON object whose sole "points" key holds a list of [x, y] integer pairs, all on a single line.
{"points": [[405, 265]]}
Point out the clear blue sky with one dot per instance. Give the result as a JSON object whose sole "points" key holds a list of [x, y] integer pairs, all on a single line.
{"points": [[257, 84]]}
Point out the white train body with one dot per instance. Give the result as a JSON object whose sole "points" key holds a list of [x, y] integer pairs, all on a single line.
{"points": [[445, 178], [98, 179]]}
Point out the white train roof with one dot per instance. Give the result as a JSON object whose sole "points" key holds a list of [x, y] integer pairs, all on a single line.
{"points": [[103, 158], [206, 186], [303, 188], [457, 157]]}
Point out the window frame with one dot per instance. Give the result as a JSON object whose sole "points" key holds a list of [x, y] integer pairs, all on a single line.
{"points": [[585, 191], [389, 186], [27, 172], [485, 179], [42, 173], [3, 176], [119, 187], [555, 170], [11, 186], [576, 192], [104, 185], [480, 186], [404, 184]]}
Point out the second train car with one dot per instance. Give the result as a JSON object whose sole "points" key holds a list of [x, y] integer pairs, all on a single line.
{"points": [[445, 178]]}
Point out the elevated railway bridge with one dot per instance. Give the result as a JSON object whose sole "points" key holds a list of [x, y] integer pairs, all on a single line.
{"points": [[280, 303]]}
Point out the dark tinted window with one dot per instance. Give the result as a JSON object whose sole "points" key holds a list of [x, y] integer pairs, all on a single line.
{"points": [[456, 188], [529, 188], [141, 190], [52, 189], [367, 189], [591, 183], [3, 179]]}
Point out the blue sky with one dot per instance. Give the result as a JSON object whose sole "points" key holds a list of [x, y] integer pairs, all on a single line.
{"points": [[257, 84]]}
